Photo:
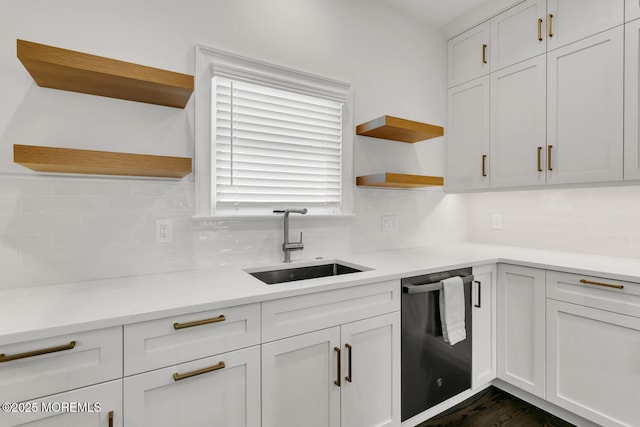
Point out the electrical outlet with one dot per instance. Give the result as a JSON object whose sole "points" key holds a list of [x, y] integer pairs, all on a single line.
{"points": [[164, 230], [496, 221], [390, 223]]}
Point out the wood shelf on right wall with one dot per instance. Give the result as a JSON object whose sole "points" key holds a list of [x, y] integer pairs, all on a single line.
{"points": [[398, 180]]}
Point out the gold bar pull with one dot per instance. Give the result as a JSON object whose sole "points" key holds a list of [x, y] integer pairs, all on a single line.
{"points": [[337, 350], [549, 147], [4, 358], [178, 377], [484, 160], [484, 53], [539, 29], [220, 318], [539, 159], [589, 282], [348, 378], [550, 25], [110, 418]]}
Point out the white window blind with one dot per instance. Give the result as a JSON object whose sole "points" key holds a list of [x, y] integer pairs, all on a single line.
{"points": [[274, 148]]}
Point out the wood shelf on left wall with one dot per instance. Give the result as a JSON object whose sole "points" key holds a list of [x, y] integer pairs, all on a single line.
{"points": [[70, 160]]}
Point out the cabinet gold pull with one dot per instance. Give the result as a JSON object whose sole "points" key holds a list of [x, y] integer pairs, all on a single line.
{"points": [[484, 161], [348, 378], [550, 25], [589, 282], [220, 318], [110, 418], [479, 303], [484, 53], [337, 350], [539, 29], [539, 159], [549, 147], [7, 358], [178, 377]]}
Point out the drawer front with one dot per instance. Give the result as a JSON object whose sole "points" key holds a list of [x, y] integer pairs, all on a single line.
{"points": [[53, 365], [296, 315], [598, 292], [164, 342]]}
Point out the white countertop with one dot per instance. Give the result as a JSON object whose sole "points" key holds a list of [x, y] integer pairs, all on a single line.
{"points": [[37, 312]]}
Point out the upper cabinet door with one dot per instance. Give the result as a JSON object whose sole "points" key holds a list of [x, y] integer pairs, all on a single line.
{"points": [[572, 20], [632, 101], [585, 110], [518, 114], [467, 144], [632, 10], [518, 34], [468, 55]]}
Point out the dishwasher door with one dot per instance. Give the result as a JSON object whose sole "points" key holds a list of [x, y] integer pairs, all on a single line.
{"points": [[432, 370]]}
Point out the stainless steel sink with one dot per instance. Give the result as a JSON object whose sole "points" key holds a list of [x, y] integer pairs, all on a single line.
{"points": [[271, 277]]}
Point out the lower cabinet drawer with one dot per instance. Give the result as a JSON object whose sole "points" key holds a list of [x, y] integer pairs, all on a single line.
{"points": [[169, 341], [32, 369], [296, 315], [223, 390], [593, 363], [95, 406], [598, 292]]}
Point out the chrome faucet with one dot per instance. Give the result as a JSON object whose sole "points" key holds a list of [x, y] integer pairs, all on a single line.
{"points": [[288, 246]]}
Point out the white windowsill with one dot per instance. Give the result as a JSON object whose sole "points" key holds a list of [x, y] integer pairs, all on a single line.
{"points": [[275, 217]]}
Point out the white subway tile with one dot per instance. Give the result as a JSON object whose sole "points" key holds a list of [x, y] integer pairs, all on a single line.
{"points": [[19, 186], [63, 204], [91, 188], [37, 222], [91, 237]]}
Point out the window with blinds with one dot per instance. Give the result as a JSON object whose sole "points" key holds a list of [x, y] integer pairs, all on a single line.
{"points": [[274, 148]]}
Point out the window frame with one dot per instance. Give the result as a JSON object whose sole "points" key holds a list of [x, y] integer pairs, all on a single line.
{"points": [[210, 62]]}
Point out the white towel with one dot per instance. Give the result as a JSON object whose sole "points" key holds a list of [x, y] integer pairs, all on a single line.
{"points": [[452, 310]]}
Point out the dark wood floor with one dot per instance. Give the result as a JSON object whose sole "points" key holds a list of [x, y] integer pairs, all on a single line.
{"points": [[495, 408]]}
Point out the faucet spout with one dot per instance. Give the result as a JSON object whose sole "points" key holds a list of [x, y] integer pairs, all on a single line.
{"points": [[288, 246]]}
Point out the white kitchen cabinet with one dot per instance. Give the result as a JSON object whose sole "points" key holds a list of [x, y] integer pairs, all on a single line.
{"points": [[631, 10], [484, 326], [632, 100], [593, 364], [95, 406], [585, 110], [521, 327], [518, 116], [467, 144], [468, 55], [220, 390], [572, 20], [336, 377], [518, 34]]}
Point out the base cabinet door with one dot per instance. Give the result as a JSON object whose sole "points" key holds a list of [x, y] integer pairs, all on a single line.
{"points": [[95, 406], [370, 381], [521, 327], [593, 359], [223, 390], [484, 326]]}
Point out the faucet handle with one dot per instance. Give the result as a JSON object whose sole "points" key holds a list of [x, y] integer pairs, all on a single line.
{"points": [[300, 237]]}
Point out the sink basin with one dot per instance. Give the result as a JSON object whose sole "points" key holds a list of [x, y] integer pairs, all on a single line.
{"points": [[271, 277]]}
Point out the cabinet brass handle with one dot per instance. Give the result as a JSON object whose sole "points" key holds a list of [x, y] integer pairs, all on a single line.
{"points": [[589, 282], [484, 161], [178, 377], [337, 350], [549, 147], [484, 53], [110, 418], [539, 159], [539, 29], [220, 318], [550, 25], [479, 303], [348, 378], [7, 358]]}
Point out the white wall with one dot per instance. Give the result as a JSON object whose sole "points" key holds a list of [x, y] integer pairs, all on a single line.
{"points": [[55, 229]]}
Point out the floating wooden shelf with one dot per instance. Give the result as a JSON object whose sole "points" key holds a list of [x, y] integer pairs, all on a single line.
{"points": [[394, 128], [398, 180], [58, 68], [69, 160]]}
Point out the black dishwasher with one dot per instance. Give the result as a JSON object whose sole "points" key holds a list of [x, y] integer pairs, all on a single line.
{"points": [[432, 369]]}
